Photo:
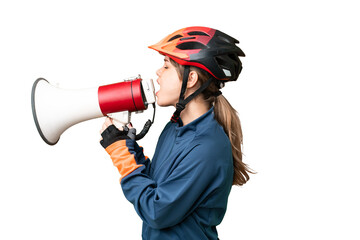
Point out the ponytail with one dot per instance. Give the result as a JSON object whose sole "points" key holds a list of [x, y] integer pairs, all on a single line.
{"points": [[228, 118]]}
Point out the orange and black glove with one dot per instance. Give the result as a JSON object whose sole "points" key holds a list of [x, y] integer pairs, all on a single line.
{"points": [[112, 134]]}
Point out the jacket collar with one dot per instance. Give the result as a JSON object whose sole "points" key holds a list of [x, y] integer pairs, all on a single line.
{"points": [[196, 125]]}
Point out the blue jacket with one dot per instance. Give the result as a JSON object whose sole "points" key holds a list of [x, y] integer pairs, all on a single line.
{"points": [[182, 193]]}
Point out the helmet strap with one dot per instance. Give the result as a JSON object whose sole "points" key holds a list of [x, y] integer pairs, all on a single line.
{"points": [[180, 106]]}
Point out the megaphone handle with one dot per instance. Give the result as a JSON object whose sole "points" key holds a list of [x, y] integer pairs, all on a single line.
{"points": [[120, 119]]}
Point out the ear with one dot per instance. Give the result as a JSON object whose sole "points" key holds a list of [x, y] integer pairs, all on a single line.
{"points": [[193, 79]]}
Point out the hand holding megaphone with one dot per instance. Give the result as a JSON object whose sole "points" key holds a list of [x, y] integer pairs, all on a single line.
{"points": [[110, 133], [56, 109]]}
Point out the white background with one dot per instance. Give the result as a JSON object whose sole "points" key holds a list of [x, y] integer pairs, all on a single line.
{"points": [[298, 100]]}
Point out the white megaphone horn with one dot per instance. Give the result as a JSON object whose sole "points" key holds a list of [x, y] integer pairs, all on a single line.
{"points": [[55, 109]]}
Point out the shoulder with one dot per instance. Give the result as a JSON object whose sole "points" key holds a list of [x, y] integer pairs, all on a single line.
{"points": [[214, 138], [213, 145]]}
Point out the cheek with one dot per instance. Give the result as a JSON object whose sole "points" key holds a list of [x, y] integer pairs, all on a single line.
{"points": [[169, 92]]}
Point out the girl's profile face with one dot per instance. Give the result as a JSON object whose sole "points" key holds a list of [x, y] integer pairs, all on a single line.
{"points": [[170, 84]]}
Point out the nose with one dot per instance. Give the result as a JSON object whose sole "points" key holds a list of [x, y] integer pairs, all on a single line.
{"points": [[158, 72]]}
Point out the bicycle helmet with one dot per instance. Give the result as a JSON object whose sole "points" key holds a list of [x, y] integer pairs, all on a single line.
{"points": [[206, 48]]}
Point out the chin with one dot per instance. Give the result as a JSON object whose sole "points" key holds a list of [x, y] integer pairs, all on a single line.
{"points": [[163, 103], [159, 103]]}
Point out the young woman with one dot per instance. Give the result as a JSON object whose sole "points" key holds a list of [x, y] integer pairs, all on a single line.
{"points": [[182, 193]]}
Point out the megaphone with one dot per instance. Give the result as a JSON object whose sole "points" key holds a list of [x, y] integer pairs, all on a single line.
{"points": [[55, 109]]}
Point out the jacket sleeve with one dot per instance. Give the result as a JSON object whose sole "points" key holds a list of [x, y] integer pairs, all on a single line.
{"points": [[169, 203], [128, 156]]}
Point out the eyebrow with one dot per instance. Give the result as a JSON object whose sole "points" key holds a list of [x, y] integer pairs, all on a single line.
{"points": [[165, 60]]}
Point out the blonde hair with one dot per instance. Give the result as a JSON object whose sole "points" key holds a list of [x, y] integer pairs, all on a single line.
{"points": [[228, 118]]}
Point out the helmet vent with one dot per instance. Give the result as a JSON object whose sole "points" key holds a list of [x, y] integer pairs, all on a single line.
{"points": [[186, 38], [175, 37], [220, 60], [224, 39], [234, 57], [198, 33], [191, 45]]}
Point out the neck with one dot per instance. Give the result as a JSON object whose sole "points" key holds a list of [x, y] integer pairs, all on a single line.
{"points": [[193, 110]]}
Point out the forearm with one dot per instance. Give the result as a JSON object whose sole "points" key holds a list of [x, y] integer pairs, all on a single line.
{"points": [[127, 156]]}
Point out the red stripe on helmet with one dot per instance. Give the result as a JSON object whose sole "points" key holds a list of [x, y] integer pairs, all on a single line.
{"points": [[189, 63]]}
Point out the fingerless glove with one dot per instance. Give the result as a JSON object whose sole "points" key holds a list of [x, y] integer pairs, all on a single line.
{"points": [[112, 134]]}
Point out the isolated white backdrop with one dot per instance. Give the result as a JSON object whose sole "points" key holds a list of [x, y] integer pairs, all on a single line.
{"points": [[298, 99]]}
